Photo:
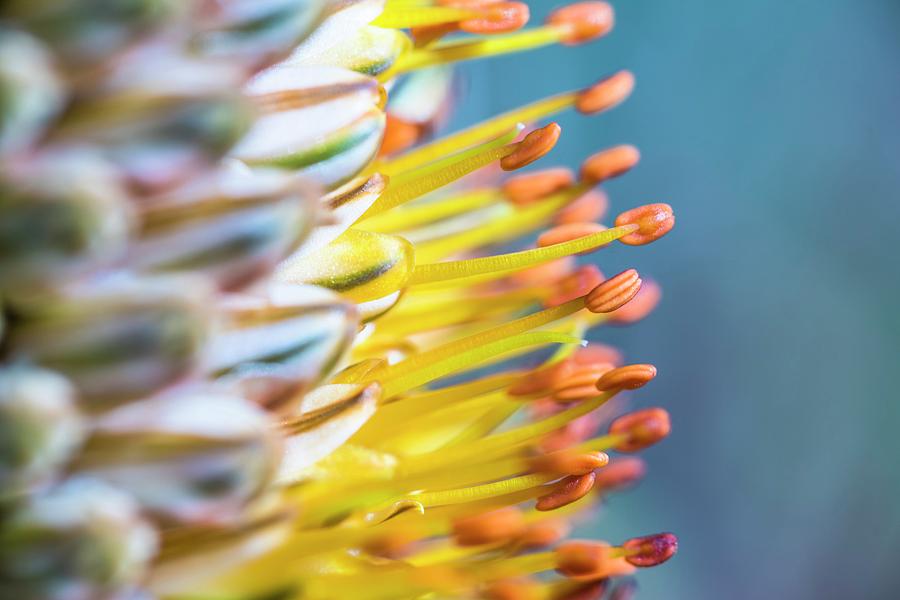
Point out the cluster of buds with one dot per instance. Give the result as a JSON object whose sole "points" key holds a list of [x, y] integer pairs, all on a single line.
{"points": [[237, 274]]}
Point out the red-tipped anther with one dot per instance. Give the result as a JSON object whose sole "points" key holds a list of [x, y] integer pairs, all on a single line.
{"points": [[569, 462], [488, 528], [640, 306], [497, 17], [605, 94], [544, 533], [569, 232], [583, 559], [535, 145], [613, 293], [651, 550], [528, 188], [590, 207], [609, 163], [512, 589], [629, 377], [576, 285], [580, 383], [568, 490], [620, 473], [653, 220], [582, 22], [597, 354], [641, 429], [399, 135]]}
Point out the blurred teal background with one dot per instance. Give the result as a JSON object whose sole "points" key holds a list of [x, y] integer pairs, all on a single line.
{"points": [[773, 128]]}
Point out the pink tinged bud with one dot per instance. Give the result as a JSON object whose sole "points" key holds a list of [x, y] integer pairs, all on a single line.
{"points": [[641, 429], [582, 22], [653, 221], [567, 491], [651, 550], [614, 293], [629, 377]]}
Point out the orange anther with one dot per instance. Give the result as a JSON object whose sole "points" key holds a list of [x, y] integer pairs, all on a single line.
{"points": [[589, 207], [544, 533], [567, 490], [528, 188], [651, 550], [583, 559], [535, 145], [498, 17], [569, 232], [653, 220], [620, 473], [488, 528], [569, 462], [640, 306], [582, 22], [629, 377], [579, 283], [609, 163], [580, 383], [613, 293], [641, 429], [605, 94], [512, 589]]}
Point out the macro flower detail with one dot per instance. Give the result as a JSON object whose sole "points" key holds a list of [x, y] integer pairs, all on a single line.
{"points": [[266, 333]]}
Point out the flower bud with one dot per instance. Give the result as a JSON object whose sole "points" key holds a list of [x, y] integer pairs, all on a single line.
{"points": [[325, 123], [32, 94], [61, 216], [271, 348], [651, 550], [39, 426], [232, 226], [653, 221], [82, 540], [641, 429], [179, 463], [117, 339]]}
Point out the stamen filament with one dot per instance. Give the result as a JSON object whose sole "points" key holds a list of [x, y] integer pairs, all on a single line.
{"points": [[408, 16], [423, 214]]}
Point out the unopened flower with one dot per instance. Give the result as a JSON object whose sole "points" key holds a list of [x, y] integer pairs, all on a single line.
{"points": [[265, 332]]}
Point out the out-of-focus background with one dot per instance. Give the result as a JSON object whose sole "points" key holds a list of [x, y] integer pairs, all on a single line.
{"points": [[773, 128]]}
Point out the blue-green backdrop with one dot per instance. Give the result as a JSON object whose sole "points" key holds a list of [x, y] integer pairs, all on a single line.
{"points": [[773, 128]]}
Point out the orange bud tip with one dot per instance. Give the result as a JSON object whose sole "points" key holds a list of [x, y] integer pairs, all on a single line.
{"points": [[566, 491], [614, 293], [578, 284], [544, 533], [590, 207], [640, 306], [629, 377], [569, 462], [609, 163], [605, 94], [653, 221], [620, 473], [498, 17], [651, 550], [582, 22], [488, 528], [641, 429], [528, 188], [567, 233], [512, 589], [535, 145], [582, 559]]}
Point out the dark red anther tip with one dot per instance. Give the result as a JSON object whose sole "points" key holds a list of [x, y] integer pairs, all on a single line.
{"points": [[651, 550]]}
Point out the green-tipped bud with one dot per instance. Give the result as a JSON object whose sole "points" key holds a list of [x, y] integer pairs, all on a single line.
{"points": [[195, 457], [82, 540], [234, 226], [273, 347], [160, 116], [257, 32], [324, 122], [84, 32], [39, 426], [118, 339], [60, 217], [30, 93]]}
